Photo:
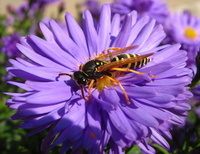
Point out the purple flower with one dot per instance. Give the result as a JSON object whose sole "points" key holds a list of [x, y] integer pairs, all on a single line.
{"points": [[55, 101], [23, 10], [9, 20], [9, 45], [30, 8], [196, 92], [40, 4], [10, 9], [156, 9], [93, 6], [48, 1], [185, 29]]}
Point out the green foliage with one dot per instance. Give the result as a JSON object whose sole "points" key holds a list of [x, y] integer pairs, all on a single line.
{"points": [[2, 27], [134, 149], [13, 139]]}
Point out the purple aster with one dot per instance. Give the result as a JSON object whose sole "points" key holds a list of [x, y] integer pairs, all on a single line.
{"points": [[185, 29], [22, 11], [156, 9], [9, 45], [55, 101], [93, 6]]}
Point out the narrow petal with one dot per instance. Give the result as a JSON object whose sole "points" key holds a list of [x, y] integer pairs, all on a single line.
{"points": [[123, 36], [76, 33], [90, 33], [48, 96], [104, 29]]}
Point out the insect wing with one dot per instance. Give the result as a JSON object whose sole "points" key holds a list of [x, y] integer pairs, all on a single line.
{"points": [[116, 51], [119, 63]]}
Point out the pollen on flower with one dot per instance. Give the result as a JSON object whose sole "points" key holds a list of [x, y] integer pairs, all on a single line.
{"points": [[190, 33], [103, 82], [92, 135]]}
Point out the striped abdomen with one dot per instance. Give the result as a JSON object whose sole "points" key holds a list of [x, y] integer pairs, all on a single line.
{"points": [[133, 65]]}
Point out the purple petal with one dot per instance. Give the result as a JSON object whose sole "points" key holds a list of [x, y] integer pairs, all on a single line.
{"points": [[94, 120], [77, 34], [145, 119], [54, 51], [104, 29], [21, 85], [38, 58], [71, 117], [123, 36], [48, 96], [120, 122], [115, 25], [47, 33], [159, 139], [90, 33]]}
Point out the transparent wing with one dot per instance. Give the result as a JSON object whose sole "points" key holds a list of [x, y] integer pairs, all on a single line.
{"points": [[116, 51], [119, 63]]}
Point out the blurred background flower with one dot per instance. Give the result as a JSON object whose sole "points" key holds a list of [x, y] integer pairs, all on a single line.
{"points": [[185, 29], [9, 45], [156, 9]]}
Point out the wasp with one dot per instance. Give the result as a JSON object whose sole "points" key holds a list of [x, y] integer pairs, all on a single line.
{"points": [[97, 72]]}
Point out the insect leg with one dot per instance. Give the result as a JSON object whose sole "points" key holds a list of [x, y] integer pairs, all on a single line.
{"points": [[81, 88], [82, 93], [122, 88], [90, 87], [130, 70]]}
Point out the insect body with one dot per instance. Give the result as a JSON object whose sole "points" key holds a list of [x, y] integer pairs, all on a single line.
{"points": [[88, 72], [132, 65], [99, 70], [90, 69]]}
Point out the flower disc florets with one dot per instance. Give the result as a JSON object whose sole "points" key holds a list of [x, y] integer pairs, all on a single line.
{"points": [[55, 101]]}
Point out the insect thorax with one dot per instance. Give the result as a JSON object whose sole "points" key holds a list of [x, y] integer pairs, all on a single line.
{"points": [[90, 69]]}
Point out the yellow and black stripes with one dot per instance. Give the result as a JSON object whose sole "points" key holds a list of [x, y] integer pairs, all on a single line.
{"points": [[132, 65]]}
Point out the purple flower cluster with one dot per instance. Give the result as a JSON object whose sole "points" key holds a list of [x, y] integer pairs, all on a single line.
{"points": [[32, 7], [23, 19], [9, 45], [56, 102]]}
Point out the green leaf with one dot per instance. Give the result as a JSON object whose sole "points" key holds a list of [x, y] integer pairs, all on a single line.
{"points": [[161, 149], [135, 149]]}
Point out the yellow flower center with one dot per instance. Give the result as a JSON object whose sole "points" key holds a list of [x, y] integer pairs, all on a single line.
{"points": [[107, 81], [190, 33], [103, 82]]}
